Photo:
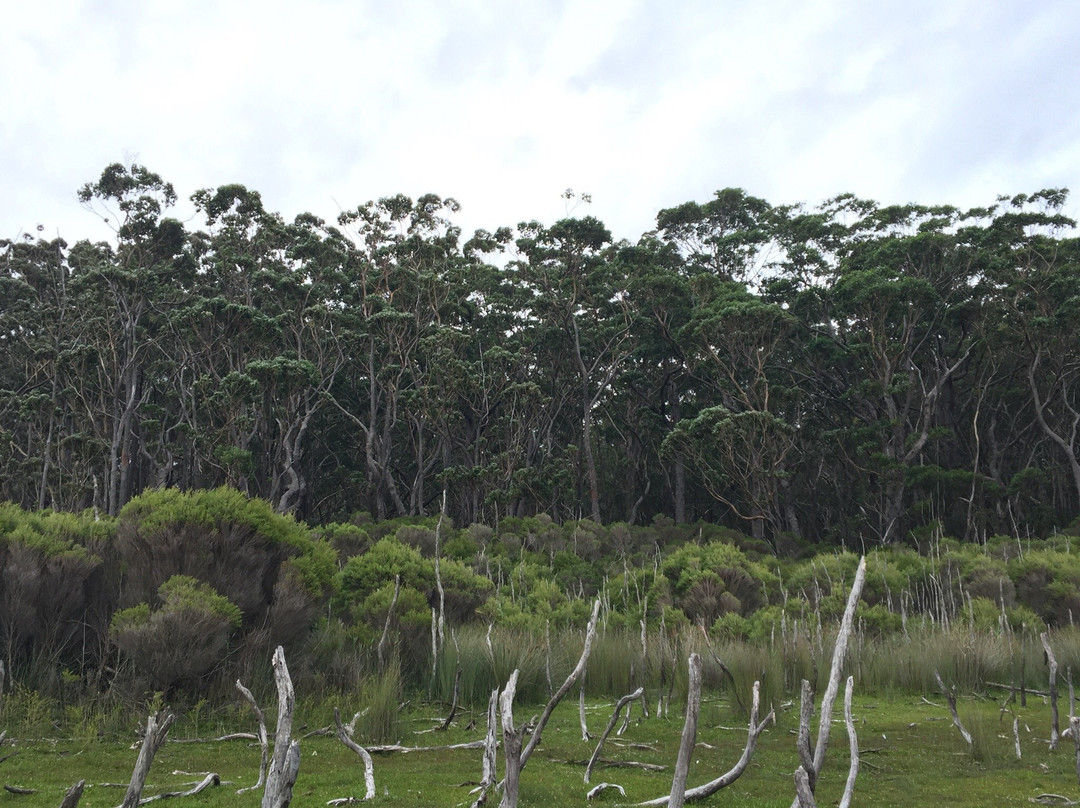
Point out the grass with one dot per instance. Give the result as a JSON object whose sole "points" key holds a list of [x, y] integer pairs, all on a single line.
{"points": [[908, 747]]}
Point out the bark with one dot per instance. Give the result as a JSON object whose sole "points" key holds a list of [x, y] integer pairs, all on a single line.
{"points": [[157, 727], [689, 735], [369, 767], [805, 795], [1051, 661], [285, 763], [610, 726], [264, 743], [73, 795]]}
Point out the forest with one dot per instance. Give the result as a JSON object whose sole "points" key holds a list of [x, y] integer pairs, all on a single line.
{"points": [[847, 374]]}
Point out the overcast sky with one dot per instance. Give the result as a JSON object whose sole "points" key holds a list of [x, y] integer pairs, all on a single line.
{"points": [[322, 105]]}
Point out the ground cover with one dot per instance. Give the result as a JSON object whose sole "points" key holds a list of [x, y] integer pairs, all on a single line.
{"points": [[911, 754]]}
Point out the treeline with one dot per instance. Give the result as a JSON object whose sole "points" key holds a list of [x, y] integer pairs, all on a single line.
{"points": [[844, 373]]}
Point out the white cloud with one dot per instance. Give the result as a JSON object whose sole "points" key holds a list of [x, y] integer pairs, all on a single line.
{"points": [[503, 106]]}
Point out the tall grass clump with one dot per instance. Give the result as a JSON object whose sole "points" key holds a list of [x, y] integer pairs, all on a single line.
{"points": [[485, 668], [380, 706]]}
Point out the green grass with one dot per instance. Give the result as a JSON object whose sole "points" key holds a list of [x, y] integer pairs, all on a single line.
{"points": [[909, 748]]}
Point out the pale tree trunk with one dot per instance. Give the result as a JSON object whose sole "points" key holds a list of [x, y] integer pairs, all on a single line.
{"points": [[285, 763], [511, 744], [157, 727], [689, 735]]}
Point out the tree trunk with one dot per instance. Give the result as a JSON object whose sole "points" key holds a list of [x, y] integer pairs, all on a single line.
{"points": [[689, 735], [157, 727]]}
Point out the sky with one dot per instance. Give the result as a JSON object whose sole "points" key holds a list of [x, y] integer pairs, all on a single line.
{"points": [[325, 104]]}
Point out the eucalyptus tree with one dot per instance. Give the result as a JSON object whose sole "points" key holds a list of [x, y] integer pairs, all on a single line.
{"points": [[1037, 288], [897, 324], [123, 291], [401, 283], [580, 311]]}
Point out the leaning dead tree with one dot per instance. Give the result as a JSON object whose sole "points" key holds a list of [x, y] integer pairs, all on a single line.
{"points": [[950, 697], [285, 763], [362, 753], [607, 731], [157, 727]]}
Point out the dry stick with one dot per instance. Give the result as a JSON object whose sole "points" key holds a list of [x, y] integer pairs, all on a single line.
{"points": [[454, 702], [579, 669], [611, 725], [729, 777], [405, 750], [1016, 735], [285, 763], [211, 779], [369, 767], [389, 615], [511, 744], [950, 696], [604, 787], [73, 795], [264, 743], [1051, 660], [853, 745], [157, 727], [689, 735]]}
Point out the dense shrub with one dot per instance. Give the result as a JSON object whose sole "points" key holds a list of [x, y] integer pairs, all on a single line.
{"points": [[182, 639]]}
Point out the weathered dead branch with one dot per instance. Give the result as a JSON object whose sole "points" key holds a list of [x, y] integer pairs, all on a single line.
{"points": [[853, 746], [386, 624], [264, 743], [491, 742], [579, 670], [593, 792], [157, 727], [211, 779], [733, 774], [950, 696], [610, 726], [369, 767]]}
